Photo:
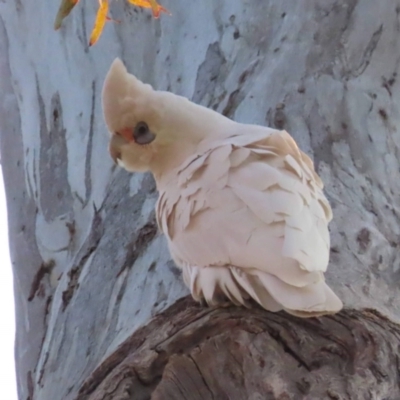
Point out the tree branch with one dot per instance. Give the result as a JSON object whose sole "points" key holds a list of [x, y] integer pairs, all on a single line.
{"points": [[190, 352]]}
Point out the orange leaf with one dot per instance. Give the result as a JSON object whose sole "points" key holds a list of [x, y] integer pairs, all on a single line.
{"points": [[155, 7], [65, 8], [101, 19]]}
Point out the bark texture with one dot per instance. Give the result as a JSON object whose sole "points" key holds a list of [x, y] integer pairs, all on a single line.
{"points": [[193, 353], [91, 270]]}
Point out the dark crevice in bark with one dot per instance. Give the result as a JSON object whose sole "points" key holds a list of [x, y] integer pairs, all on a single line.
{"points": [[85, 252], [44, 269], [366, 59], [211, 396], [89, 148], [142, 239], [279, 339], [55, 191], [203, 353], [237, 96]]}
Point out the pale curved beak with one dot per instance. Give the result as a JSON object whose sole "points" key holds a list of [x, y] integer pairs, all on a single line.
{"points": [[114, 147]]}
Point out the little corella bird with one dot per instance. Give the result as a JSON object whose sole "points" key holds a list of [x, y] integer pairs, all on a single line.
{"points": [[241, 206]]}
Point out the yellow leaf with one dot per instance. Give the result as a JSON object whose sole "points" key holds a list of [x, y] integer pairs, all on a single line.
{"points": [[101, 19], [155, 7], [65, 8]]}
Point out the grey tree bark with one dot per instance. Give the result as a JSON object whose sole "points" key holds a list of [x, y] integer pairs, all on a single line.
{"points": [[101, 310]]}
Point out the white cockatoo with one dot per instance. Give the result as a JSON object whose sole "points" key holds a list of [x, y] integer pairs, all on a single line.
{"points": [[241, 206]]}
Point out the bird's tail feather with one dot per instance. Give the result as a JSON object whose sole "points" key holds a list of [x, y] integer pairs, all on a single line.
{"points": [[216, 284]]}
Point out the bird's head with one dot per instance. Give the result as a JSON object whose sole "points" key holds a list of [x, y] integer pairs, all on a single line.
{"points": [[150, 129]]}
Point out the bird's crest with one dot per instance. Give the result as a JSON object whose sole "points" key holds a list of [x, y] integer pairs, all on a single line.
{"points": [[119, 92]]}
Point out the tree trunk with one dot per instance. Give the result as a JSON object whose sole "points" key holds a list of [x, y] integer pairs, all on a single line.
{"points": [[99, 306]]}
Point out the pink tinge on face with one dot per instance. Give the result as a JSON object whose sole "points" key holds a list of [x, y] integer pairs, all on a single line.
{"points": [[126, 133]]}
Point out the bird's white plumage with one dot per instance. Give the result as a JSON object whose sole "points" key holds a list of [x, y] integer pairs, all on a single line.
{"points": [[258, 213], [241, 206]]}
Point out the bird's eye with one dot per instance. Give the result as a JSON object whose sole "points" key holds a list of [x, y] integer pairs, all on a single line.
{"points": [[142, 134]]}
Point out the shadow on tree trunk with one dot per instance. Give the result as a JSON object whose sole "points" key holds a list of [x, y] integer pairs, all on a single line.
{"points": [[191, 352]]}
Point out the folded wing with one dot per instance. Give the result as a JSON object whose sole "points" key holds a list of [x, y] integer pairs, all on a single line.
{"points": [[248, 219]]}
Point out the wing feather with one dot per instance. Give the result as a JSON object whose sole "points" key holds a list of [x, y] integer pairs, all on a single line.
{"points": [[251, 220]]}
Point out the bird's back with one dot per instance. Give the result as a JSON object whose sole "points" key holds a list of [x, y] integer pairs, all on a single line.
{"points": [[246, 217]]}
